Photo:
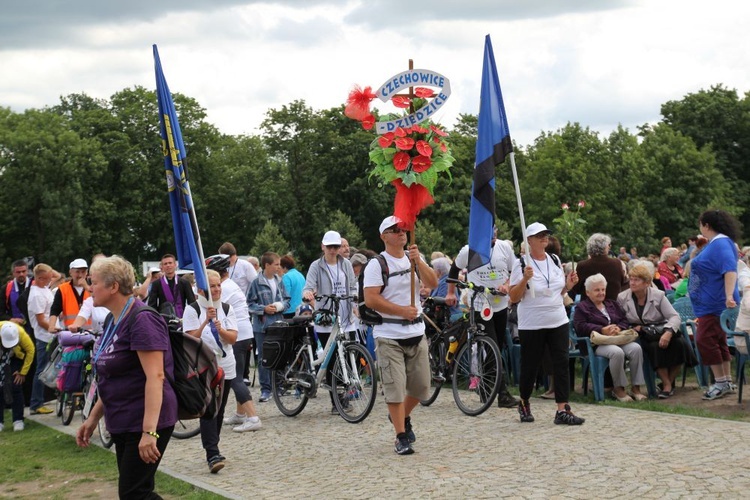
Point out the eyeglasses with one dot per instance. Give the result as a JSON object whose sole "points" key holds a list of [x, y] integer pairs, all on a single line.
{"points": [[395, 230], [333, 247]]}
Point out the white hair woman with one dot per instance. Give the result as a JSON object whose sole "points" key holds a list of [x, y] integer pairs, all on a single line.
{"points": [[596, 313], [670, 271]]}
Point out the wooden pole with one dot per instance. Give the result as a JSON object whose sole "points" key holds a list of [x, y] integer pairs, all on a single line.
{"points": [[412, 236]]}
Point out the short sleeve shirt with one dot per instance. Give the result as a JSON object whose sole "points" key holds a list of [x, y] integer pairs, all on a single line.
{"points": [[40, 302], [707, 270], [243, 273], [493, 274], [97, 315], [544, 308], [192, 321], [120, 376]]}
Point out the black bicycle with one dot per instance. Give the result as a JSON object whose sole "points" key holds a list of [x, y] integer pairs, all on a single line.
{"points": [[436, 316], [477, 366]]}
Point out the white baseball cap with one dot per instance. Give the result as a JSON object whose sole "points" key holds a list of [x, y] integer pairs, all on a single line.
{"points": [[332, 238], [79, 264], [9, 335], [536, 228], [389, 222]]}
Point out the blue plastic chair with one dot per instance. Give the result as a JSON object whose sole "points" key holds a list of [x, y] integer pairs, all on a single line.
{"points": [[590, 363], [742, 361], [684, 308], [728, 320]]}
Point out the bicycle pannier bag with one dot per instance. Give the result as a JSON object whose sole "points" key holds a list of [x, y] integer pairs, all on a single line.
{"points": [[278, 346]]}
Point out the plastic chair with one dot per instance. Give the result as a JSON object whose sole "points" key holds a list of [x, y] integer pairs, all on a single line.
{"points": [[742, 360], [688, 326], [590, 363], [728, 320]]}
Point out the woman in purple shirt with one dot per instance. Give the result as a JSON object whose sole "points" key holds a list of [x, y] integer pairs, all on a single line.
{"points": [[131, 361]]}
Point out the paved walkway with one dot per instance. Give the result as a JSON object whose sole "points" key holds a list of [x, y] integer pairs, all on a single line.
{"points": [[617, 453]]}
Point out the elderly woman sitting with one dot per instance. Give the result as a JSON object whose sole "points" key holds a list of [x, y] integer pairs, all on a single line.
{"points": [[670, 271], [643, 304], [595, 313]]}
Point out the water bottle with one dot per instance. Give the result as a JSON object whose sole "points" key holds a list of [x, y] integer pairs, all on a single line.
{"points": [[452, 346], [319, 352]]}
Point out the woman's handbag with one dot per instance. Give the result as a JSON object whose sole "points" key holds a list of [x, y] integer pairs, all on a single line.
{"points": [[652, 332], [622, 338]]}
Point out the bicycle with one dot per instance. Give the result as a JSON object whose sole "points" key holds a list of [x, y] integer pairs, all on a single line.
{"points": [[91, 396], [437, 319], [353, 381], [477, 366]]}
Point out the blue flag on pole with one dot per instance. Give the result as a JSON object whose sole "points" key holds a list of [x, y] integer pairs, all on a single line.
{"points": [[186, 235], [493, 145]]}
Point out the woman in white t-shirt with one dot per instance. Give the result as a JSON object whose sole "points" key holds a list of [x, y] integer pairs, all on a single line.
{"points": [[537, 284], [90, 317]]}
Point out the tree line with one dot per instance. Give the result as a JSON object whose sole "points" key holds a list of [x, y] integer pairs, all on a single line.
{"points": [[86, 175]]}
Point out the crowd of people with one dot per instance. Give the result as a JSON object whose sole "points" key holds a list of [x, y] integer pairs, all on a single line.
{"points": [[620, 300]]}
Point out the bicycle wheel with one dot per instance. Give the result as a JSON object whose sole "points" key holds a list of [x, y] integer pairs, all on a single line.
{"points": [[105, 437], [291, 385], [354, 400], [476, 375], [183, 429], [437, 369], [69, 401], [59, 404]]}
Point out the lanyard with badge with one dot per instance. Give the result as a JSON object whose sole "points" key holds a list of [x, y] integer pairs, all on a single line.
{"points": [[107, 339]]}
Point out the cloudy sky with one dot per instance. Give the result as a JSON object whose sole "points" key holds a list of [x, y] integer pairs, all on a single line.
{"points": [[597, 62]]}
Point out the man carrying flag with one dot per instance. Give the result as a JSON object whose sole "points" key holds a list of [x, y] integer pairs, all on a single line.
{"points": [[488, 260]]}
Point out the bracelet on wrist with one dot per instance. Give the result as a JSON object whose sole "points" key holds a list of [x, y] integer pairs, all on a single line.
{"points": [[153, 434]]}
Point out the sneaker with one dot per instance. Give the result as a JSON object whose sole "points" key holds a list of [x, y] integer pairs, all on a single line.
{"points": [[215, 464], [408, 430], [732, 388], [18, 425], [524, 410], [42, 410], [403, 447], [250, 424], [473, 383], [716, 391], [506, 401], [235, 419], [566, 417], [264, 397]]}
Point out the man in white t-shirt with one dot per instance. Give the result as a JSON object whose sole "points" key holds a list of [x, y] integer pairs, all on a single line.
{"points": [[400, 340], [40, 302], [494, 274], [240, 271]]}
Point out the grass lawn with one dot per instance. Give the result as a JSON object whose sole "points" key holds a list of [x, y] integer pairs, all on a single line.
{"points": [[42, 462]]}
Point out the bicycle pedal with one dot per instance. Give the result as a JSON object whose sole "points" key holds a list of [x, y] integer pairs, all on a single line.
{"points": [[438, 378]]}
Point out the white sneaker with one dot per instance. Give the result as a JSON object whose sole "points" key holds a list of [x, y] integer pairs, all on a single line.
{"points": [[18, 425], [248, 425], [235, 419]]}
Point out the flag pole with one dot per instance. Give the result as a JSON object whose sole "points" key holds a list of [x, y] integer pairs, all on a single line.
{"points": [[525, 239]]}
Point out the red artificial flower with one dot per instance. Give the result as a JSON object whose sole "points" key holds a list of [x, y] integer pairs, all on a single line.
{"points": [[581, 204], [368, 122], [400, 132], [443, 147], [401, 101], [420, 130], [358, 103], [401, 161], [405, 143], [386, 139], [423, 148], [438, 131], [565, 206], [423, 92], [421, 163]]}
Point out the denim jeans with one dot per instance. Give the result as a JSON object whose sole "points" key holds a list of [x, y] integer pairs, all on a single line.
{"points": [[37, 390], [16, 390]]}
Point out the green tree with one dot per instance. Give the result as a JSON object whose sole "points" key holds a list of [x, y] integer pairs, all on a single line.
{"points": [[343, 224], [269, 239], [428, 238]]}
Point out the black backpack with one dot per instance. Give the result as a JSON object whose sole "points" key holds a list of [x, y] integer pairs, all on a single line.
{"points": [[368, 315], [198, 380]]}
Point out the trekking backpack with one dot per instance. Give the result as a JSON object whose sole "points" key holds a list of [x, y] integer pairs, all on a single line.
{"points": [[367, 315], [198, 380]]}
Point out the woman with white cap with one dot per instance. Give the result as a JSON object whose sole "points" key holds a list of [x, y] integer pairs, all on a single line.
{"points": [[16, 356], [331, 274], [538, 284]]}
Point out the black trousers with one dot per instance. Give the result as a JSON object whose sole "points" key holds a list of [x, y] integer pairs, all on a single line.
{"points": [[211, 427], [136, 480], [533, 343]]}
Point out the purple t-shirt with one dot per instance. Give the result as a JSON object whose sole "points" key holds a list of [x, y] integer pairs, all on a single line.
{"points": [[121, 380]]}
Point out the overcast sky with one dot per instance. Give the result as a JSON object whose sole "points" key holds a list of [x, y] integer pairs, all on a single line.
{"points": [[597, 62]]}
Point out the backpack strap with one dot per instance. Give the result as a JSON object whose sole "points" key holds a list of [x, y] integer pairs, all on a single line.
{"points": [[197, 308]]}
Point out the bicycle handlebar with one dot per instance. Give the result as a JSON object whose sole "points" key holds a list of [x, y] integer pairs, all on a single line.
{"points": [[475, 287]]}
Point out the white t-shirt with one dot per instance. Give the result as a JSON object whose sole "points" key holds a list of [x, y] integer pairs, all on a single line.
{"points": [[398, 291], [232, 295], [40, 302], [97, 315], [546, 308], [493, 274], [243, 273], [191, 321]]}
